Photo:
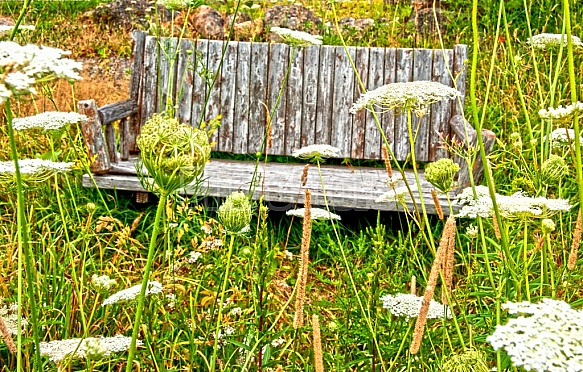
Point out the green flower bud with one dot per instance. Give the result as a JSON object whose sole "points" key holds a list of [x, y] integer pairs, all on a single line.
{"points": [[441, 173], [235, 213], [553, 170], [469, 360], [91, 207], [548, 226]]}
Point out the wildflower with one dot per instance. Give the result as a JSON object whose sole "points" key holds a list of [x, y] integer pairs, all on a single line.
{"points": [[472, 231], [553, 170], [562, 137], [153, 287], [278, 342], [544, 41], [193, 257], [102, 283], [236, 311], [78, 348], [288, 255], [32, 170], [297, 38], [545, 337], [211, 244], [49, 120], [415, 96], [562, 113], [317, 214], [548, 226], [395, 195], [441, 173], [9, 315], [317, 152], [468, 360], [408, 305], [7, 337], [235, 213]]}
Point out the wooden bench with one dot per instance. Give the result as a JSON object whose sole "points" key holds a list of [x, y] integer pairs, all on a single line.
{"points": [[313, 110]]}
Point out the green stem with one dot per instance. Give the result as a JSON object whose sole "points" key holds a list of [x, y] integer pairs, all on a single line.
{"points": [[145, 279], [220, 314], [525, 258]]}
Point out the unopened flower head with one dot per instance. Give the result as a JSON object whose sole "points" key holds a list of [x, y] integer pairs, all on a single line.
{"points": [[297, 38], [50, 120], [562, 114], [408, 306], [466, 361], [553, 170], [235, 213], [102, 283], [548, 226], [562, 137], [88, 348], [153, 287], [547, 336], [549, 41], [32, 170], [441, 173], [317, 152], [316, 213], [415, 96]]}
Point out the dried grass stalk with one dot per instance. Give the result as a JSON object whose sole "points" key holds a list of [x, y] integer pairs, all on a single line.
{"points": [[7, 337], [305, 174], [304, 262], [387, 159], [575, 244], [449, 263], [318, 359], [438, 208]]}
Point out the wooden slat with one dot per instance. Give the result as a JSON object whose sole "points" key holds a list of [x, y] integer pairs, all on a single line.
{"points": [[460, 52], [186, 66], [257, 109], [388, 118], [213, 108], [325, 85], [110, 139], [118, 110], [241, 118], [341, 135], [129, 134], [361, 63], [200, 88], [422, 68], [278, 61], [167, 75], [310, 95], [150, 88], [376, 78], [124, 129], [227, 101], [404, 58], [293, 111], [441, 111], [94, 138]]}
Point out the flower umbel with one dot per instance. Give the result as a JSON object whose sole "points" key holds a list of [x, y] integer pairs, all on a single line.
{"points": [[553, 170], [317, 152], [441, 173], [561, 113], [408, 305], [414, 95], [317, 214], [297, 38], [49, 120], [544, 41], [153, 287], [78, 348], [235, 213], [32, 170]]}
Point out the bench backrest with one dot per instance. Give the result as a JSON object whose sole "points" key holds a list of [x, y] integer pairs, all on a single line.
{"points": [[314, 105]]}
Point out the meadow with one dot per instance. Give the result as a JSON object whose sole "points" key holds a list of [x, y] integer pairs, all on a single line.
{"points": [[92, 281]]}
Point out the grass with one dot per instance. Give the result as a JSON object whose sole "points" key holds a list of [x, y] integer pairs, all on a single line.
{"points": [[77, 232]]}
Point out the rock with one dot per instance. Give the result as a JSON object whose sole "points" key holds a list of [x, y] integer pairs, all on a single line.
{"points": [[127, 14], [239, 18], [6, 21], [294, 17], [424, 21], [358, 24], [247, 31], [208, 23]]}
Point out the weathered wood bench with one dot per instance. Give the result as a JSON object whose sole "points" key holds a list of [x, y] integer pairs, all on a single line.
{"points": [[313, 110]]}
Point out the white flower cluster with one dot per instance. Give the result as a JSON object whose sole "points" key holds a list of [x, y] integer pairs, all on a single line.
{"points": [[21, 66], [78, 348], [317, 214], [547, 336], [297, 38], [193, 257], [102, 283], [9, 28], [517, 205], [544, 41], [50, 120], [9, 314], [317, 152], [33, 169], [408, 305], [561, 113], [414, 95], [562, 137], [153, 287], [394, 195]]}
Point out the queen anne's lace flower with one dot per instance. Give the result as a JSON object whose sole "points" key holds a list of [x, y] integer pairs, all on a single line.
{"points": [[102, 283], [50, 120], [561, 113], [317, 152], [547, 336], [297, 38], [414, 95], [317, 214], [544, 41], [394, 195], [153, 287], [32, 170], [562, 137], [408, 306], [78, 348]]}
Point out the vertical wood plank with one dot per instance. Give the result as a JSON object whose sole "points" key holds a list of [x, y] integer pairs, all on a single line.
{"points": [[131, 128], [150, 91], [199, 89], [110, 139], [241, 118], [213, 108], [376, 78], [359, 119], [325, 86], [460, 52], [310, 95], [278, 60], [124, 129], [293, 125], [440, 111], [227, 101], [422, 68], [342, 100], [388, 118], [257, 109], [167, 73], [185, 80], [404, 73]]}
